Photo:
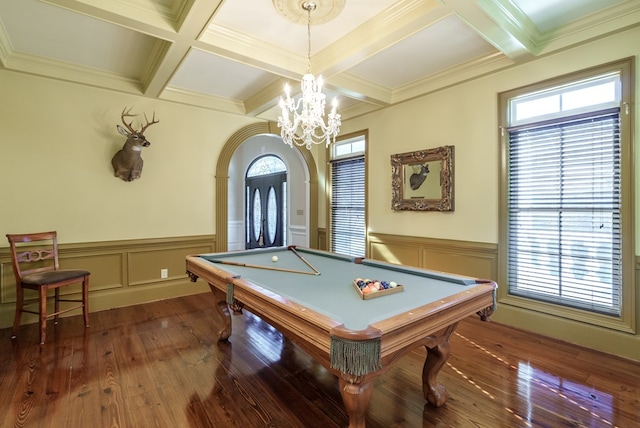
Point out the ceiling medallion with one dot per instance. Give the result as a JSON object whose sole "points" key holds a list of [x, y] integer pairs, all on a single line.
{"points": [[324, 11]]}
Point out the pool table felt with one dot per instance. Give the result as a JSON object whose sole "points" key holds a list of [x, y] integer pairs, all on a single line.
{"points": [[331, 293]]}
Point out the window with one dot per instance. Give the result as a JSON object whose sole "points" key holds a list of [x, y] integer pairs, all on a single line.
{"points": [[567, 198], [266, 165], [347, 211]]}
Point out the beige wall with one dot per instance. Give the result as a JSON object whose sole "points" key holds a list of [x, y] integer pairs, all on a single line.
{"points": [[56, 144]]}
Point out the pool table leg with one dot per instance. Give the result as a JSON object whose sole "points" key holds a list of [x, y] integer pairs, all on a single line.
{"points": [[437, 354], [221, 310], [355, 397]]}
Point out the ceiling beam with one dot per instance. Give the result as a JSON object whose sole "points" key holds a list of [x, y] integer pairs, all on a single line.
{"points": [[143, 20], [501, 24], [194, 24]]}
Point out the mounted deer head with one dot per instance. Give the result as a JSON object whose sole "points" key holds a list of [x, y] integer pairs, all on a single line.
{"points": [[416, 179], [127, 162]]}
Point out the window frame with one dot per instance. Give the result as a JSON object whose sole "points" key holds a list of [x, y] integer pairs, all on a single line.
{"points": [[329, 187], [626, 322]]}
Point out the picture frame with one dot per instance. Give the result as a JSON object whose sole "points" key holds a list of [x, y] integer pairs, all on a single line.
{"points": [[423, 180]]}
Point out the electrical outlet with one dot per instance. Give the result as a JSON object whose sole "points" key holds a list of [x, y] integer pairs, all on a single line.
{"points": [[164, 273]]}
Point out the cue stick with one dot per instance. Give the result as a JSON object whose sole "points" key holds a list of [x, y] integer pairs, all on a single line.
{"points": [[226, 262], [292, 248]]}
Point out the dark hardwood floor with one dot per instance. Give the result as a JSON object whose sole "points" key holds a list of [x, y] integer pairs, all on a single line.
{"points": [[156, 365]]}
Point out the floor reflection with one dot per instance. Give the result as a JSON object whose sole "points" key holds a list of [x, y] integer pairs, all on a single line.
{"points": [[540, 393]]}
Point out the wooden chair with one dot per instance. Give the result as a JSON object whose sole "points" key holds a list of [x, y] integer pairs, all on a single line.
{"points": [[35, 265]]}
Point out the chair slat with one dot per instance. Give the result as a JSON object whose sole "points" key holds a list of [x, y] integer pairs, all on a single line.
{"points": [[35, 255]]}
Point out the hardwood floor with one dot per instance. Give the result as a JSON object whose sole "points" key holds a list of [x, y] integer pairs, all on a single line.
{"points": [[156, 365]]}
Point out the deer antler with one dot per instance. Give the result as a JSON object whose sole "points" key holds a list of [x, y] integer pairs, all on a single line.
{"points": [[148, 124], [125, 113]]}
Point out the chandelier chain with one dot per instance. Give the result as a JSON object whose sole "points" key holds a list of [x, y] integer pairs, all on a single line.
{"points": [[309, 40]]}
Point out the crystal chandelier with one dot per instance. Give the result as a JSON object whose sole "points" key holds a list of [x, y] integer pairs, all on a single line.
{"points": [[309, 120]]}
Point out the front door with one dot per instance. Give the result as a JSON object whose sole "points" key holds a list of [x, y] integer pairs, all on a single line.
{"points": [[265, 205]]}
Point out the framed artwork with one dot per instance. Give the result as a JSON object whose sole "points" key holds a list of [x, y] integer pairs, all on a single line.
{"points": [[423, 180]]}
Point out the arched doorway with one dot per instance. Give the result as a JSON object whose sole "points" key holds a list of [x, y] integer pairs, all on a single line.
{"points": [[222, 179]]}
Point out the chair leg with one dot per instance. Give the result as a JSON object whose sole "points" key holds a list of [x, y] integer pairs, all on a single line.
{"points": [[19, 305], [85, 300], [56, 304], [43, 314]]}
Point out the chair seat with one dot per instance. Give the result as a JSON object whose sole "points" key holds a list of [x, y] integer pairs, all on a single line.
{"points": [[45, 278]]}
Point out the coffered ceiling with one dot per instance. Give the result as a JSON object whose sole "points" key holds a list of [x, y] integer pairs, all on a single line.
{"points": [[236, 55]]}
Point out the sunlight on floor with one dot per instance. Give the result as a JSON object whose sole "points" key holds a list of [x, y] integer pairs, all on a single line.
{"points": [[529, 377]]}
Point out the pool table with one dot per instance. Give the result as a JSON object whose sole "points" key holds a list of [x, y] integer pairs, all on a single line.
{"points": [[309, 296]]}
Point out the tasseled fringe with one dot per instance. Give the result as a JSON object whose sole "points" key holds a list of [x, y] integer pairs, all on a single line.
{"points": [[229, 293], [356, 358]]}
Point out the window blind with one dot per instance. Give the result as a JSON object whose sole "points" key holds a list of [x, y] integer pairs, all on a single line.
{"points": [[348, 206], [564, 203]]}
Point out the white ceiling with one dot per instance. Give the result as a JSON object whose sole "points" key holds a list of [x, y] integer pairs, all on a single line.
{"points": [[236, 55]]}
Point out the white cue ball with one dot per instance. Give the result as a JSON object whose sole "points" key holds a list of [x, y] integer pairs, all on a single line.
{"points": [[274, 258]]}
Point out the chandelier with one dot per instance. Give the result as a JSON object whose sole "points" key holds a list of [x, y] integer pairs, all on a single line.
{"points": [[306, 126]]}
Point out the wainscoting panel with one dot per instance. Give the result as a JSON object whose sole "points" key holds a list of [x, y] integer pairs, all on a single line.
{"points": [[463, 263], [123, 273], [322, 239], [7, 293], [236, 235], [298, 236], [144, 267], [465, 258], [109, 267], [393, 252]]}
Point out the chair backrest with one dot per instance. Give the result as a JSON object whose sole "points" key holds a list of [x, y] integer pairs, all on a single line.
{"points": [[33, 253]]}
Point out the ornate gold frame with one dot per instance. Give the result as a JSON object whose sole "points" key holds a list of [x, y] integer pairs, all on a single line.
{"points": [[416, 184]]}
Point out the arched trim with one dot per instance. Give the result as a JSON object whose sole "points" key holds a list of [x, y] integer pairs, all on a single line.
{"points": [[222, 182]]}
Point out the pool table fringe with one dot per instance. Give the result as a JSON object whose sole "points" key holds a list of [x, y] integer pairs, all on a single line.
{"points": [[355, 357]]}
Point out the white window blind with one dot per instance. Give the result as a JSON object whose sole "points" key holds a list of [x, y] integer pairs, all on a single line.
{"points": [[348, 206], [564, 204]]}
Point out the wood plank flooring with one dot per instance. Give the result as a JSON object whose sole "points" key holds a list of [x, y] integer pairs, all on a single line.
{"points": [[157, 365]]}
